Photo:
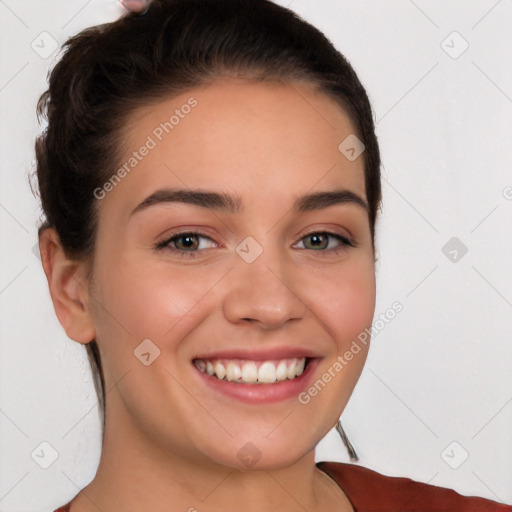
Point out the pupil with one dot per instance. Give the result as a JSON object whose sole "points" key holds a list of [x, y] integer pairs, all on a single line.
{"points": [[189, 241], [317, 240]]}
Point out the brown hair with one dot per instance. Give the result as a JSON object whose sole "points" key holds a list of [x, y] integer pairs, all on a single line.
{"points": [[109, 70]]}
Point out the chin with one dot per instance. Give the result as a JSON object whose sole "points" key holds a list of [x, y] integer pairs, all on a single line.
{"points": [[253, 456]]}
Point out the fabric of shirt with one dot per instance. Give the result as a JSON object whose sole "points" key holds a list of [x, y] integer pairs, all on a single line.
{"points": [[370, 491]]}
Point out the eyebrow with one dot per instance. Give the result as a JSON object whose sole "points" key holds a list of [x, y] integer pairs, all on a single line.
{"points": [[233, 204]]}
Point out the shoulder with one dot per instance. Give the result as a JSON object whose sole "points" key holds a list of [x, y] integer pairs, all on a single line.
{"points": [[370, 491], [64, 508]]}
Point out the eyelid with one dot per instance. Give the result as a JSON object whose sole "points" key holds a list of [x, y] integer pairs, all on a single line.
{"points": [[345, 242], [343, 239], [164, 243]]}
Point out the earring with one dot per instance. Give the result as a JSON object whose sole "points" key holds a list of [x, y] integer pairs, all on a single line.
{"points": [[352, 453]]}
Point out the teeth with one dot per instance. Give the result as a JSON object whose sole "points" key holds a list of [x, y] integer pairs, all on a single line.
{"points": [[233, 372], [300, 366], [249, 372], [243, 371], [281, 371], [219, 370], [267, 373], [290, 373]]}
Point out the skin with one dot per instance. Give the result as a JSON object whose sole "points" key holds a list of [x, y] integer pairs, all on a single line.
{"points": [[171, 443], [135, 6]]}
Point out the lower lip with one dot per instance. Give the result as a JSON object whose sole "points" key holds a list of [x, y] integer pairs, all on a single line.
{"points": [[261, 393]]}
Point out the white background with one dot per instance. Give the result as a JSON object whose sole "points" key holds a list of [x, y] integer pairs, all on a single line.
{"points": [[441, 371]]}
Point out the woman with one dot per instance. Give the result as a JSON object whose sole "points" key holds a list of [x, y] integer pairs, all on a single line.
{"points": [[210, 180]]}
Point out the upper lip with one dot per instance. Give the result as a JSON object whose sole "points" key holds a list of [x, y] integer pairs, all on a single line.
{"points": [[266, 354]]}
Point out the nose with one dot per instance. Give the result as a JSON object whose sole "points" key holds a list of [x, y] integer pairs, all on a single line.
{"points": [[262, 293]]}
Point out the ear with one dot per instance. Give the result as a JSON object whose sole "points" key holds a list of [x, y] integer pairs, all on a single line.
{"points": [[68, 288]]}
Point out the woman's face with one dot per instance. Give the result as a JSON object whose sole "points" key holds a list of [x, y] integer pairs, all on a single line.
{"points": [[259, 281]]}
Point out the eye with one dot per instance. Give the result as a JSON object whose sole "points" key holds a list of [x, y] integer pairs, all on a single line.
{"points": [[188, 243], [185, 242], [324, 241]]}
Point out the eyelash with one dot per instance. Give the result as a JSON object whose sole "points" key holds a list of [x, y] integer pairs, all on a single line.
{"points": [[165, 244]]}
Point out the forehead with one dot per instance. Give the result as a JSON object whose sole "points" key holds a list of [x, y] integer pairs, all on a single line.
{"points": [[262, 140]]}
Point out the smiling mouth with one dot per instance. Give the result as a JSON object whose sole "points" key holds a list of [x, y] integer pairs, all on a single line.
{"points": [[245, 371]]}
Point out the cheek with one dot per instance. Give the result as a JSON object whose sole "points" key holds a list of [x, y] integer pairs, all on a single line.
{"points": [[155, 301], [345, 301], [344, 304]]}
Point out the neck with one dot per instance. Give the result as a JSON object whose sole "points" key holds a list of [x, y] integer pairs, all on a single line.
{"points": [[136, 473]]}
